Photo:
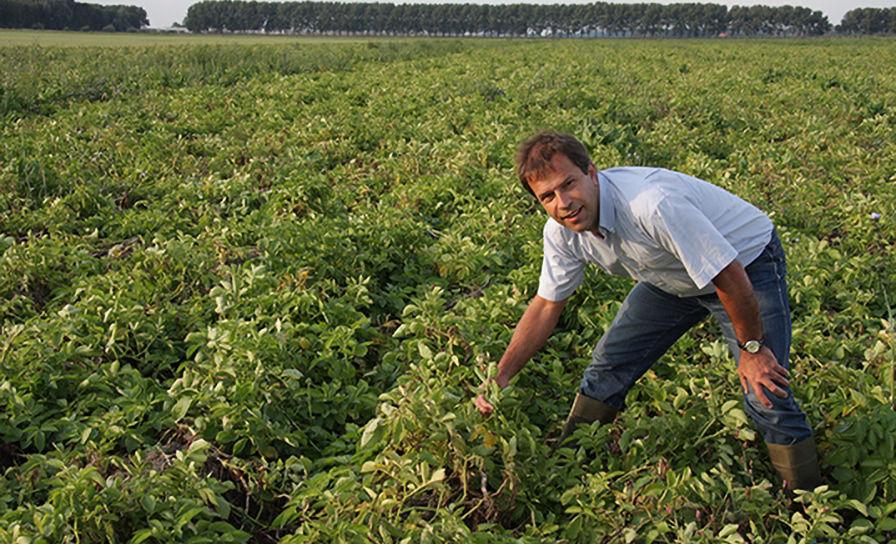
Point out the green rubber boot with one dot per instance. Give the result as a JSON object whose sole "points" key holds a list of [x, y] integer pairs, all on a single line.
{"points": [[796, 464], [586, 410]]}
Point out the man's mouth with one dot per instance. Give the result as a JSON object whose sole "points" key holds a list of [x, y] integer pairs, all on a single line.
{"points": [[572, 215]]}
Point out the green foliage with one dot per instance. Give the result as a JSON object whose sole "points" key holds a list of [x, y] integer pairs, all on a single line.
{"points": [[529, 20], [40, 80], [154, 496], [248, 293]]}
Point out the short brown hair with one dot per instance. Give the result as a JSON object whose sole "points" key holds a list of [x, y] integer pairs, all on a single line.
{"points": [[534, 155]]}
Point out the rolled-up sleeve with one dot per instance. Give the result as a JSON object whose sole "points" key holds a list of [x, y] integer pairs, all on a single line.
{"points": [[682, 229], [561, 271]]}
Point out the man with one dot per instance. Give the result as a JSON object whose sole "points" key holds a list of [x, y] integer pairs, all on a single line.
{"points": [[695, 249]]}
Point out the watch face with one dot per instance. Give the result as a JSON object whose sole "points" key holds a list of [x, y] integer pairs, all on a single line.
{"points": [[752, 346]]}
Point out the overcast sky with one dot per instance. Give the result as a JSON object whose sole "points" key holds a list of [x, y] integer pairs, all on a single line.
{"points": [[162, 13]]}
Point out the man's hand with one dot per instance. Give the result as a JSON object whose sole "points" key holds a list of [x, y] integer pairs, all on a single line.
{"points": [[484, 406], [762, 369], [755, 369], [530, 334]]}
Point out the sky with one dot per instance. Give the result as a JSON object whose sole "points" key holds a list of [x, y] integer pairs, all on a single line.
{"points": [[162, 13]]}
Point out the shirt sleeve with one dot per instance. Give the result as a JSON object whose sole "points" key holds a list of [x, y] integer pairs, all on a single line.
{"points": [[561, 271], [684, 231]]}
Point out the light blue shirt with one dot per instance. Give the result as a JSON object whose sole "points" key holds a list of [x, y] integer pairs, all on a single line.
{"points": [[665, 228]]}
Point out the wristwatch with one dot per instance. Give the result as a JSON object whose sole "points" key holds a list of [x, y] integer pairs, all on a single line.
{"points": [[751, 346]]}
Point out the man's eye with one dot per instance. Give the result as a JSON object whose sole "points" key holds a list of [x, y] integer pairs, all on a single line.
{"points": [[547, 198]]}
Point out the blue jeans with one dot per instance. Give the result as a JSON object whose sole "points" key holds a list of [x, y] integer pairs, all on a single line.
{"points": [[651, 320]]}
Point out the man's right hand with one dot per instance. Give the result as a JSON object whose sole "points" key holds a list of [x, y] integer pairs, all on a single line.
{"points": [[530, 334], [484, 406]]}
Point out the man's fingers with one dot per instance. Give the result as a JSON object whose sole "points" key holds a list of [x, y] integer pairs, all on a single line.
{"points": [[764, 375], [484, 407], [760, 389], [781, 371], [776, 366], [760, 396], [780, 380], [777, 391]]}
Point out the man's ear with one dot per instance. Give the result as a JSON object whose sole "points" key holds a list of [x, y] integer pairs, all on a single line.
{"points": [[592, 170]]}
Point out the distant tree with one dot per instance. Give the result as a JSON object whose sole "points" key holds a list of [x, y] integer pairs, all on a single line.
{"points": [[62, 14], [869, 21]]}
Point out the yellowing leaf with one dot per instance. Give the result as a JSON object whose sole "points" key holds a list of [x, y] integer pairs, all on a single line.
{"points": [[424, 350]]}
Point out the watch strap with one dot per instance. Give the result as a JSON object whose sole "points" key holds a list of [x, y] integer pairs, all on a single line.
{"points": [[743, 345]]}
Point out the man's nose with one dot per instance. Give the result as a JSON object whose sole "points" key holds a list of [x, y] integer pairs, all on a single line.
{"points": [[562, 199]]}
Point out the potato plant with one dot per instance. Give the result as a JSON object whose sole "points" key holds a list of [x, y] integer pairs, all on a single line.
{"points": [[249, 292]]}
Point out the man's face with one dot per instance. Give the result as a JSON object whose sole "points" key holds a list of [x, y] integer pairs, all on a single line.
{"points": [[569, 195]]}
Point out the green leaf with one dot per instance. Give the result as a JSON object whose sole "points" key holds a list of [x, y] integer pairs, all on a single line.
{"points": [[188, 516], [180, 408], [437, 476], [424, 350], [889, 509], [859, 506], [199, 445], [149, 503], [141, 535], [220, 527], [369, 431], [861, 525]]}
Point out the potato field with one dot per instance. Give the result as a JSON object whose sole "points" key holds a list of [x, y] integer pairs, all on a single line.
{"points": [[248, 292]]}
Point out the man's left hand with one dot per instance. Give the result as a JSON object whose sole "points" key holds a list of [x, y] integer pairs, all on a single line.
{"points": [[762, 369]]}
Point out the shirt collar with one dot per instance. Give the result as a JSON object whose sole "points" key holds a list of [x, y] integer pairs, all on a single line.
{"points": [[607, 219]]}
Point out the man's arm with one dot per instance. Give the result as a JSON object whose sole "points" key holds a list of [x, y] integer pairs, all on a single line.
{"points": [[755, 369], [530, 335]]}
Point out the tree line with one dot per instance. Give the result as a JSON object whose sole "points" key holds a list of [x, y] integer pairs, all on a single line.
{"points": [[597, 19], [70, 15], [869, 21]]}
